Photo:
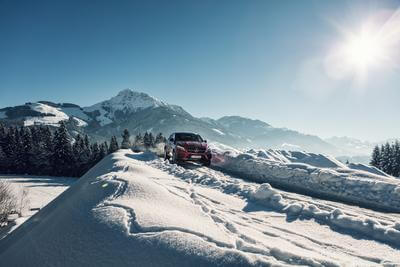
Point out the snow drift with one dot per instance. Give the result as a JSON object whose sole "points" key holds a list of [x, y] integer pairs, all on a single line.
{"points": [[276, 200], [314, 174], [116, 216], [135, 209]]}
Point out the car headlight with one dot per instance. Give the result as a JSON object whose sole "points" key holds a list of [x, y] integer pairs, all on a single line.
{"points": [[180, 148]]}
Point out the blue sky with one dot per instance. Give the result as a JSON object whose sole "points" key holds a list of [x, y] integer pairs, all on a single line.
{"points": [[260, 59]]}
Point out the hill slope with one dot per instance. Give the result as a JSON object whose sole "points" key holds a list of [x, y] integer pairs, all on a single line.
{"points": [[133, 209]]}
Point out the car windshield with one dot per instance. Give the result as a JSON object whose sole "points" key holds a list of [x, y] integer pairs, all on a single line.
{"points": [[188, 137]]}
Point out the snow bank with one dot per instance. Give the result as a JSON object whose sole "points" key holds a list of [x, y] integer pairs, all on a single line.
{"points": [[279, 201], [336, 218], [313, 174], [366, 168], [117, 214]]}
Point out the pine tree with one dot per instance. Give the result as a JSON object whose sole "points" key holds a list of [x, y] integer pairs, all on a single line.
{"points": [[27, 155], [62, 158], [113, 145], [160, 139], [146, 140], [376, 157], [139, 139], [11, 150], [126, 143], [95, 154], [386, 163], [138, 144], [47, 150], [77, 151], [396, 159], [3, 160], [105, 144], [103, 150], [151, 140]]}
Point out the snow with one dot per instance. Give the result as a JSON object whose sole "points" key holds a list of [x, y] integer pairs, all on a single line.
{"points": [[76, 112], [102, 118], [126, 101], [80, 122], [54, 115], [363, 167], [218, 131], [133, 208], [350, 229], [40, 191], [43, 108], [313, 174], [116, 214], [3, 115]]}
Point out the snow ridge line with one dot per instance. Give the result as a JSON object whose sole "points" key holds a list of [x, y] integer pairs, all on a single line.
{"points": [[336, 218]]}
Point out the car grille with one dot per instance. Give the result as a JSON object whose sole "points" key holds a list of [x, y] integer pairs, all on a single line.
{"points": [[195, 149]]}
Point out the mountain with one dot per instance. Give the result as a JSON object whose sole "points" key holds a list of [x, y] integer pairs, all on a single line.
{"points": [[140, 112], [261, 134]]}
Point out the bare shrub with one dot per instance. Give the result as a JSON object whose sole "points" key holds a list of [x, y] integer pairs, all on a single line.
{"points": [[8, 202], [23, 201]]}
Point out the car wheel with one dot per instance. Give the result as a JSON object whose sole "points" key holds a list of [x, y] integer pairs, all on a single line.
{"points": [[174, 157], [207, 163], [166, 155]]}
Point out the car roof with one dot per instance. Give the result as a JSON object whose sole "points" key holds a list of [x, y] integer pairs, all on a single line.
{"points": [[185, 133]]}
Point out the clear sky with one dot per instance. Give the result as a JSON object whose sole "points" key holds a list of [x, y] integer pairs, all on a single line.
{"points": [[289, 63]]}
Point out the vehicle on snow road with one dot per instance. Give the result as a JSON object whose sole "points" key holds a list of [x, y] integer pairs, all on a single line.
{"points": [[184, 146]]}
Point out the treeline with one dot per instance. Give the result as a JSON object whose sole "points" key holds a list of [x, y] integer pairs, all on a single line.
{"points": [[387, 158], [37, 150]]}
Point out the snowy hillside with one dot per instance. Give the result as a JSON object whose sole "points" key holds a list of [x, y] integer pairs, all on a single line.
{"points": [[134, 209], [45, 113]]}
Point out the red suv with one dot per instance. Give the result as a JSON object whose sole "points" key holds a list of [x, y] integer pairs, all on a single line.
{"points": [[187, 147]]}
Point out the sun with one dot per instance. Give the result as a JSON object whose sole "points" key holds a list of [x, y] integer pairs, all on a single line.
{"points": [[363, 51]]}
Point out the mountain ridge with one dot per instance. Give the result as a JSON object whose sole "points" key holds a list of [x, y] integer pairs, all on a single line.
{"points": [[140, 112]]}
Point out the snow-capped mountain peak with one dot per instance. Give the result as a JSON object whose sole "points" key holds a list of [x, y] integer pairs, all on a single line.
{"points": [[125, 102], [131, 100]]}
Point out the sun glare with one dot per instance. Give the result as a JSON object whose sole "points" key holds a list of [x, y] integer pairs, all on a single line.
{"points": [[372, 47], [364, 50]]}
